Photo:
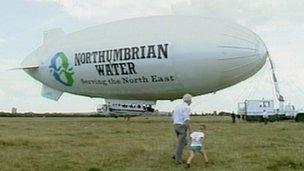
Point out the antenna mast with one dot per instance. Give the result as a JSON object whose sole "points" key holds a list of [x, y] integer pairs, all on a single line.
{"points": [[276, 86]]}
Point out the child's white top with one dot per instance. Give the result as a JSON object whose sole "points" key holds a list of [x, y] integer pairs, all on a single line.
{"points": [[196, 138]]}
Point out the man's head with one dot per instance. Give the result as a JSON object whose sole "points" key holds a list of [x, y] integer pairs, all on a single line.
{"points": [[187, 98]]}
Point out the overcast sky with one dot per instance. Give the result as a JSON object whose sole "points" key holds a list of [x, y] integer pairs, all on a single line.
{"points": [[280, 23]]}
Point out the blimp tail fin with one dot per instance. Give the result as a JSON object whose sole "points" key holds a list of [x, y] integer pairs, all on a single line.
{"points": [[50, 93], [32, 67], [52, 35]]}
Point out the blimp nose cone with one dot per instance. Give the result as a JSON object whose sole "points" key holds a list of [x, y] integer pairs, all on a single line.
{"points": [[261, 51], [243, 54]]}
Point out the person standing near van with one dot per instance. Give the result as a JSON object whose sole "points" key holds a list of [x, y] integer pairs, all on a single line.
{"points": [[265, 117]]}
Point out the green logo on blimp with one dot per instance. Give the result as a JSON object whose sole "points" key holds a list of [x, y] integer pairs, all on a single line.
{"points": [[61, 69]]}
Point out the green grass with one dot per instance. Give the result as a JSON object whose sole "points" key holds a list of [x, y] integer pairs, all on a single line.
{"points": [[145, 144]]}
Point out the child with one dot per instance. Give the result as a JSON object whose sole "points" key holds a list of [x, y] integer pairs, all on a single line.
{"points": [[197, 146]]}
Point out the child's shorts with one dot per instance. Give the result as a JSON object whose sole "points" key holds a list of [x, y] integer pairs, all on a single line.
{"points": [[196, 149]]}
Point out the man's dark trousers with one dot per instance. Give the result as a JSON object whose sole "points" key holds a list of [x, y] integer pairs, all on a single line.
{"points": [[181, 133]]}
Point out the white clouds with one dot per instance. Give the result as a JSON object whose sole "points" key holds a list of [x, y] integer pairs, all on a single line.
{"points": [[2, 41], [2, 93], [272, 13], [14, 82], [109, 10], [259, 13], [8, 64]]}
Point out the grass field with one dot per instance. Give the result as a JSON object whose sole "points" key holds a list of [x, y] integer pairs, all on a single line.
{"points": [[145, 144]]}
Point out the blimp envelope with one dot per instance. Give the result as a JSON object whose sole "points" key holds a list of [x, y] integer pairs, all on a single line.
{"points": [[150, 58]]}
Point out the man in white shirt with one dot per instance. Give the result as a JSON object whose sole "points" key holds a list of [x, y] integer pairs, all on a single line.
{"points": [[181, 124]]}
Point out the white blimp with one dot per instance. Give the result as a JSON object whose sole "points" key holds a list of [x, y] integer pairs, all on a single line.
{"points": [[134, 62]]}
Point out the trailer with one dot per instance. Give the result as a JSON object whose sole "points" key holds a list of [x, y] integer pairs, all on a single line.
{"points": [[253, 110]]}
